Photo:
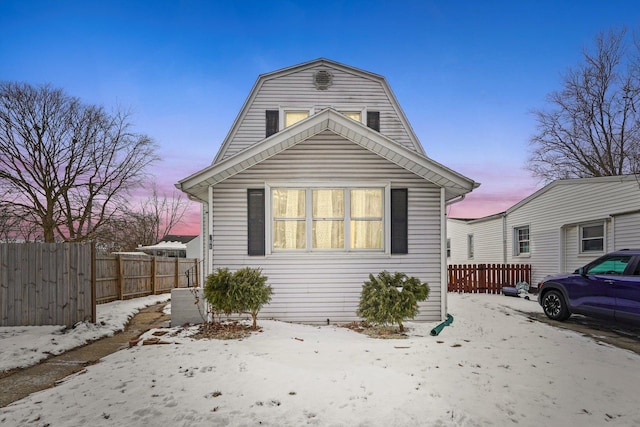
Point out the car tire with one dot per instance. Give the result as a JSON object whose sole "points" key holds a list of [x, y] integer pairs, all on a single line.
{"points": [[554, 306]]}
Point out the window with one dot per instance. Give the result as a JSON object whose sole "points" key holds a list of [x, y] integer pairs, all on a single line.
{"points": [[611, 265], [327, 219], [592, 238], [470, 246], [521, 243], [448, 248], [289, 219], [293, 117], [355, 115], [366, 219]]}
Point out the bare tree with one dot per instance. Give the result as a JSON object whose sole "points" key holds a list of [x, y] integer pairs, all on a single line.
{"points": [[66, 167], [164, 211], [145, 225], [592, 126]]}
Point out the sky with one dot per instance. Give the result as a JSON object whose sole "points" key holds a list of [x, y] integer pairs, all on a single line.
{"points": [[492, 365], [467, 73]]}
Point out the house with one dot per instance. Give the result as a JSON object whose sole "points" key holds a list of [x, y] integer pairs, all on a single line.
{"points": [[559, 228], [320, 182], [174, 246]]}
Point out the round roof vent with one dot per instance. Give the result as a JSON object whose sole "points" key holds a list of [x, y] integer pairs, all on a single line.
{"points": [[322, 79]]}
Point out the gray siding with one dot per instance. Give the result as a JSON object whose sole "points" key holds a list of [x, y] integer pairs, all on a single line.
{"points": [[313, 287], [296, 90]]}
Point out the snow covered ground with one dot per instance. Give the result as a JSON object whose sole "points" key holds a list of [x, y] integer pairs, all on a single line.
{"points": [[22, 346], [492, 366]]}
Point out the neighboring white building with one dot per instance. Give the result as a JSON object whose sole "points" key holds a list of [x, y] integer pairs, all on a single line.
{"points": [[320, 182], [559, 228], [174, 246]]}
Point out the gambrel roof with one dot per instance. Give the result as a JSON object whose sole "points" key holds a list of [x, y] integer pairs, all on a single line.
{"points": [[331, 120], [322, 63]]}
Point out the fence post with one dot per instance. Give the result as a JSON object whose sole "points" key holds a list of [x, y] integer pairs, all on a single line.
{"points": [[120, 279], [176, 280], [197, 272], [154, 272], [93, 282]]}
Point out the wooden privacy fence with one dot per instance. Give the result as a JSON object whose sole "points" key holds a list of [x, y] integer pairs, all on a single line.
{"points": [[486, 278], [122, 277], [61, 283], [46, 284]]}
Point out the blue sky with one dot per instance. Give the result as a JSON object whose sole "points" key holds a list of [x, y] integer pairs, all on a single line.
{"points": [[466, 73]]}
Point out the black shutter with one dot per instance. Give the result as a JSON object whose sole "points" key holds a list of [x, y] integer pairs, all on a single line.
{"points": [[399, 221], [373, 120], [273, 122], [255, 221]]}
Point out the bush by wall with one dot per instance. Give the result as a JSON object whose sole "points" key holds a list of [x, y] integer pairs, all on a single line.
{"points": [[391, 298], [243, 292]]}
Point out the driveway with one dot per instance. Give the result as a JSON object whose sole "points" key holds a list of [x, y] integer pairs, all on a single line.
{"points": [[618, 335]]}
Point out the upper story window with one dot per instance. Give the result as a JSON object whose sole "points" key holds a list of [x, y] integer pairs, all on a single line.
{"points": [[283, 118], [592, 237], [521, 242], [293, 117], [355, 115]]}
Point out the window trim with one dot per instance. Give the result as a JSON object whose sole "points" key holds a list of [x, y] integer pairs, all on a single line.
{"points": [[349, 108], [309, 186], [293, 109], [581, 226], [516, 241]]}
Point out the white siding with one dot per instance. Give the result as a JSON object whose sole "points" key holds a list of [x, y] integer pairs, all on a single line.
{"points": [[487, 241], [457, 230], [349, 92], [627, 231], [313, 287], [554, 216]]}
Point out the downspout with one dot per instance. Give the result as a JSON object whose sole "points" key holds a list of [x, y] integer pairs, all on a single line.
{"points": [[504, 238], [443, 253]]}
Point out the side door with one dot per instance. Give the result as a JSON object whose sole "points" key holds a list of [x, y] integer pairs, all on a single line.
{"points": [[627, 291]]}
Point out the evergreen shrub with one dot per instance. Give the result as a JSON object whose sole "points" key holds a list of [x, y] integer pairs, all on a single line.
{"points": [[390, 298]]}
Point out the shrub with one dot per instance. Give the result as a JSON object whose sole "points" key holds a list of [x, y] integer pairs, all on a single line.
{"points": [[388, 298], [242, 292]]}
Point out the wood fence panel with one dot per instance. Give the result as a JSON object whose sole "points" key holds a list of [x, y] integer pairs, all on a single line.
{"points": [[165, 274], [124, 277], [106, 278], [486, 278], [60, 283], [45, 283]]}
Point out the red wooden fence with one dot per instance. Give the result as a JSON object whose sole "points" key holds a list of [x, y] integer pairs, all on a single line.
{"points": [[486, 278]]}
